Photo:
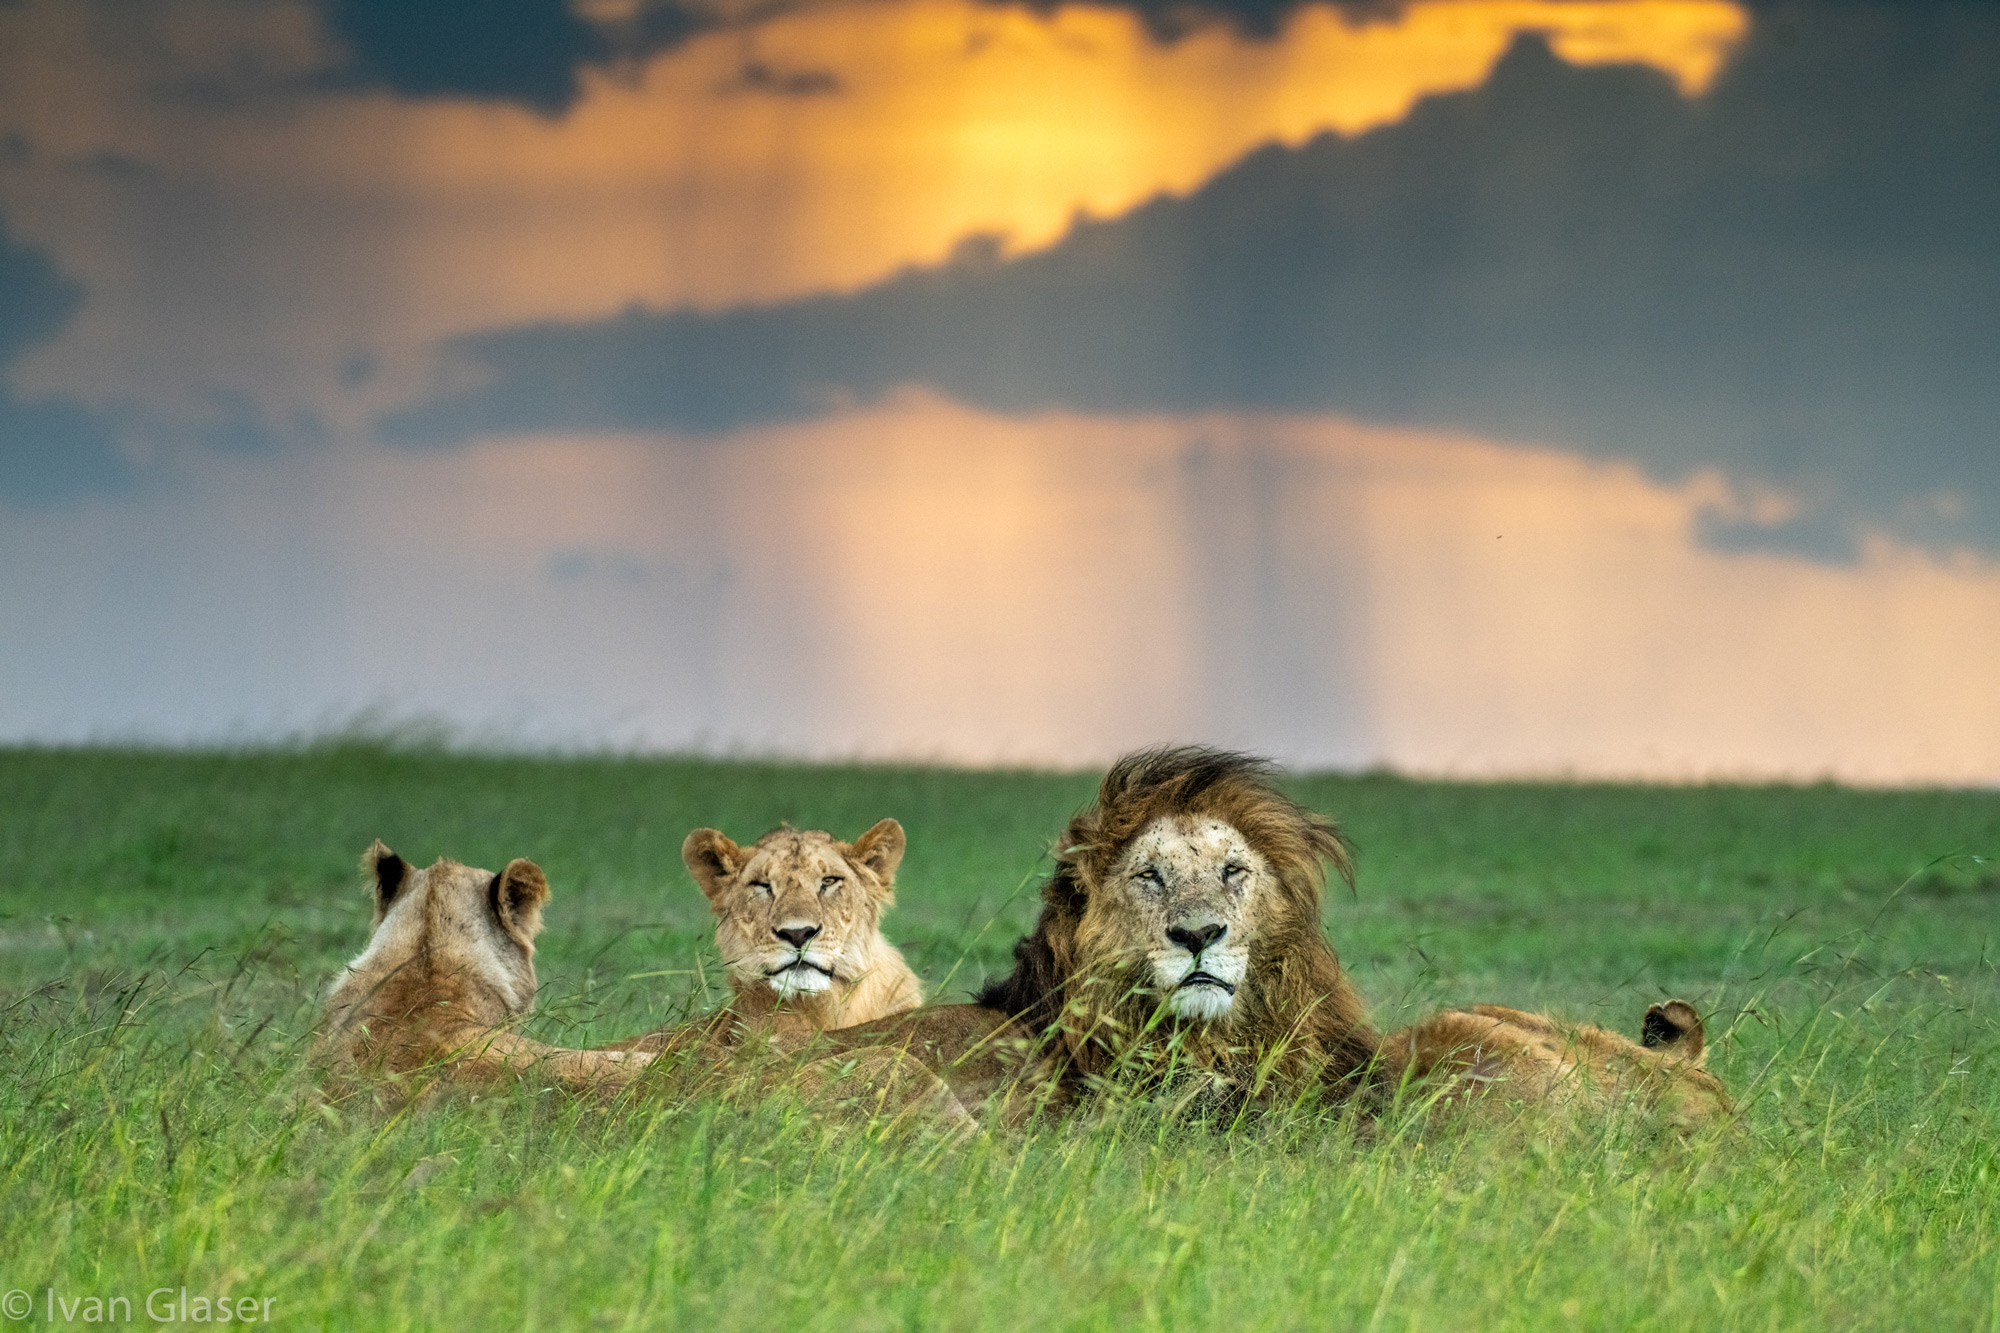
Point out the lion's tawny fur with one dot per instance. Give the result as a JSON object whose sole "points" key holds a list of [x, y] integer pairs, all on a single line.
{"points": [[1490, 1051], [801, 880], [1075, 1010], [1296, 1020], [449, 964], [987, 1059]]}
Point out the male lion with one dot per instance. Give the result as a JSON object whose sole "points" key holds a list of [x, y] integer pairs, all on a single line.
{"points": [[798, 923], [450, 962], [1180, 929], [1182, 926]]}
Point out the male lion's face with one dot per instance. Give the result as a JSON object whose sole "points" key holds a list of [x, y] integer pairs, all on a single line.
{"points": [[1181, 909], [795, 910]]}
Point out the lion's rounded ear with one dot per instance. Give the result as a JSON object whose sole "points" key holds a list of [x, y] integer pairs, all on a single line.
{"points": [[881, 850], [518, 894], [1675, 1027], [713, 860], [386, 873]]}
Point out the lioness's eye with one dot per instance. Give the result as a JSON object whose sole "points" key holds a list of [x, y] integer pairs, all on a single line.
{"points": [[829, 884], [762, 886]]}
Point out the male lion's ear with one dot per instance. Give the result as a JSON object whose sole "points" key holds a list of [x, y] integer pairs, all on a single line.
{"points": [[881, 850], [386, 872], [713, 860], [1674, 1027], [518, 894]]}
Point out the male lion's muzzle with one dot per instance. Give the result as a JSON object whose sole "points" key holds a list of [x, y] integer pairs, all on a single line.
{"points": [[1202, 970], [1196, 940]]}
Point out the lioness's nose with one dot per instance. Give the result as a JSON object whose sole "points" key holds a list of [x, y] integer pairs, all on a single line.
{"points": [[796, 936], [1196, 938]]}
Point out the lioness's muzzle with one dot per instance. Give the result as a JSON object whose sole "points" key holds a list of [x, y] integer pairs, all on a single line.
{"points": [[799, 962]]}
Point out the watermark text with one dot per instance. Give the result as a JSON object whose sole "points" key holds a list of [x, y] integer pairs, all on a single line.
{"points": [[162, 1305]]}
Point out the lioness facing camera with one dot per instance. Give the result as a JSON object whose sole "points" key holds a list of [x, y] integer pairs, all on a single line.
{"points": [[798, 921]]}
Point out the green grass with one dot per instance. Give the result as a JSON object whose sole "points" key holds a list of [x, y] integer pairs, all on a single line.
{"points": [[170, 918]]}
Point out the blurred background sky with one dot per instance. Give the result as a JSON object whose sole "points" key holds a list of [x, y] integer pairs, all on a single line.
{"points": [[1525, 387]]}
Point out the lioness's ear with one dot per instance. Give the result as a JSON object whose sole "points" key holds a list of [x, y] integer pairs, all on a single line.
{"points": [[1675, 1027], [518, 894], [881, 850], [713, 860], [385, 871]]}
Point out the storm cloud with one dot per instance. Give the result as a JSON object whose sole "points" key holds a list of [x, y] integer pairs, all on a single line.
{"points": [[1794, 278], [532, 52], [529, 52], [49, 449]]}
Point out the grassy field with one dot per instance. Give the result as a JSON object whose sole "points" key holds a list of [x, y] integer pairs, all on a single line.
{"points": [[169, 919]]}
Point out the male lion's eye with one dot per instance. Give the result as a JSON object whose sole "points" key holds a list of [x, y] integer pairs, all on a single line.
{"points": [[1152, 876], [762, 887], [829, 884], [1233, 872]]}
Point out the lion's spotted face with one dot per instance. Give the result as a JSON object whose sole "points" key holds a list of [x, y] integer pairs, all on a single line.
{"points": [[1180, 912], [797, 911]]}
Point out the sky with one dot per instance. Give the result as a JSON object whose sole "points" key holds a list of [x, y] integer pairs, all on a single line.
{"points": [[1594, 388]]}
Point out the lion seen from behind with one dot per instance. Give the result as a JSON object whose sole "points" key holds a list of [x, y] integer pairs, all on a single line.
{"points": [[449, 965]]}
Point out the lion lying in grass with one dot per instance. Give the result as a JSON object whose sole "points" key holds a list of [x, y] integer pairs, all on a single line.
{"points": [[1179, 934], [1489, 1050], [799, 925], [450, 963], [1180, 938], [1179, 946], [798, 921]]}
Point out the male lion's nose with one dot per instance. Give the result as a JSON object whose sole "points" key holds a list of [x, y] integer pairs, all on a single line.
{"points": [[796, 936], [1196, 938]]}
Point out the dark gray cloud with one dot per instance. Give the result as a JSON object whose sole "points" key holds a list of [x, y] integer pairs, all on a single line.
{"points": [[1170, 20], [525, 51], [54, 449], [531, 52], [1795, 277]]}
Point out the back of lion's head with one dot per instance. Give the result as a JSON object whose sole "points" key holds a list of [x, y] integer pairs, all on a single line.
{"points": [[1190, 885], [448, 945]]}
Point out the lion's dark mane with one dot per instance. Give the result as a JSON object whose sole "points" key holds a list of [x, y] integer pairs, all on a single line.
{"points": [[1308, 1002]]}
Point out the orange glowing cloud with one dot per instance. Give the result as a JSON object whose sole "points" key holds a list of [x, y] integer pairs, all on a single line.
{"points": [[913, 123], [820, 149]]}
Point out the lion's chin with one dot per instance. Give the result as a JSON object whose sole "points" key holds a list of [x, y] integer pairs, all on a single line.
{"points": [[800, 978], [1203, 1002]]}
